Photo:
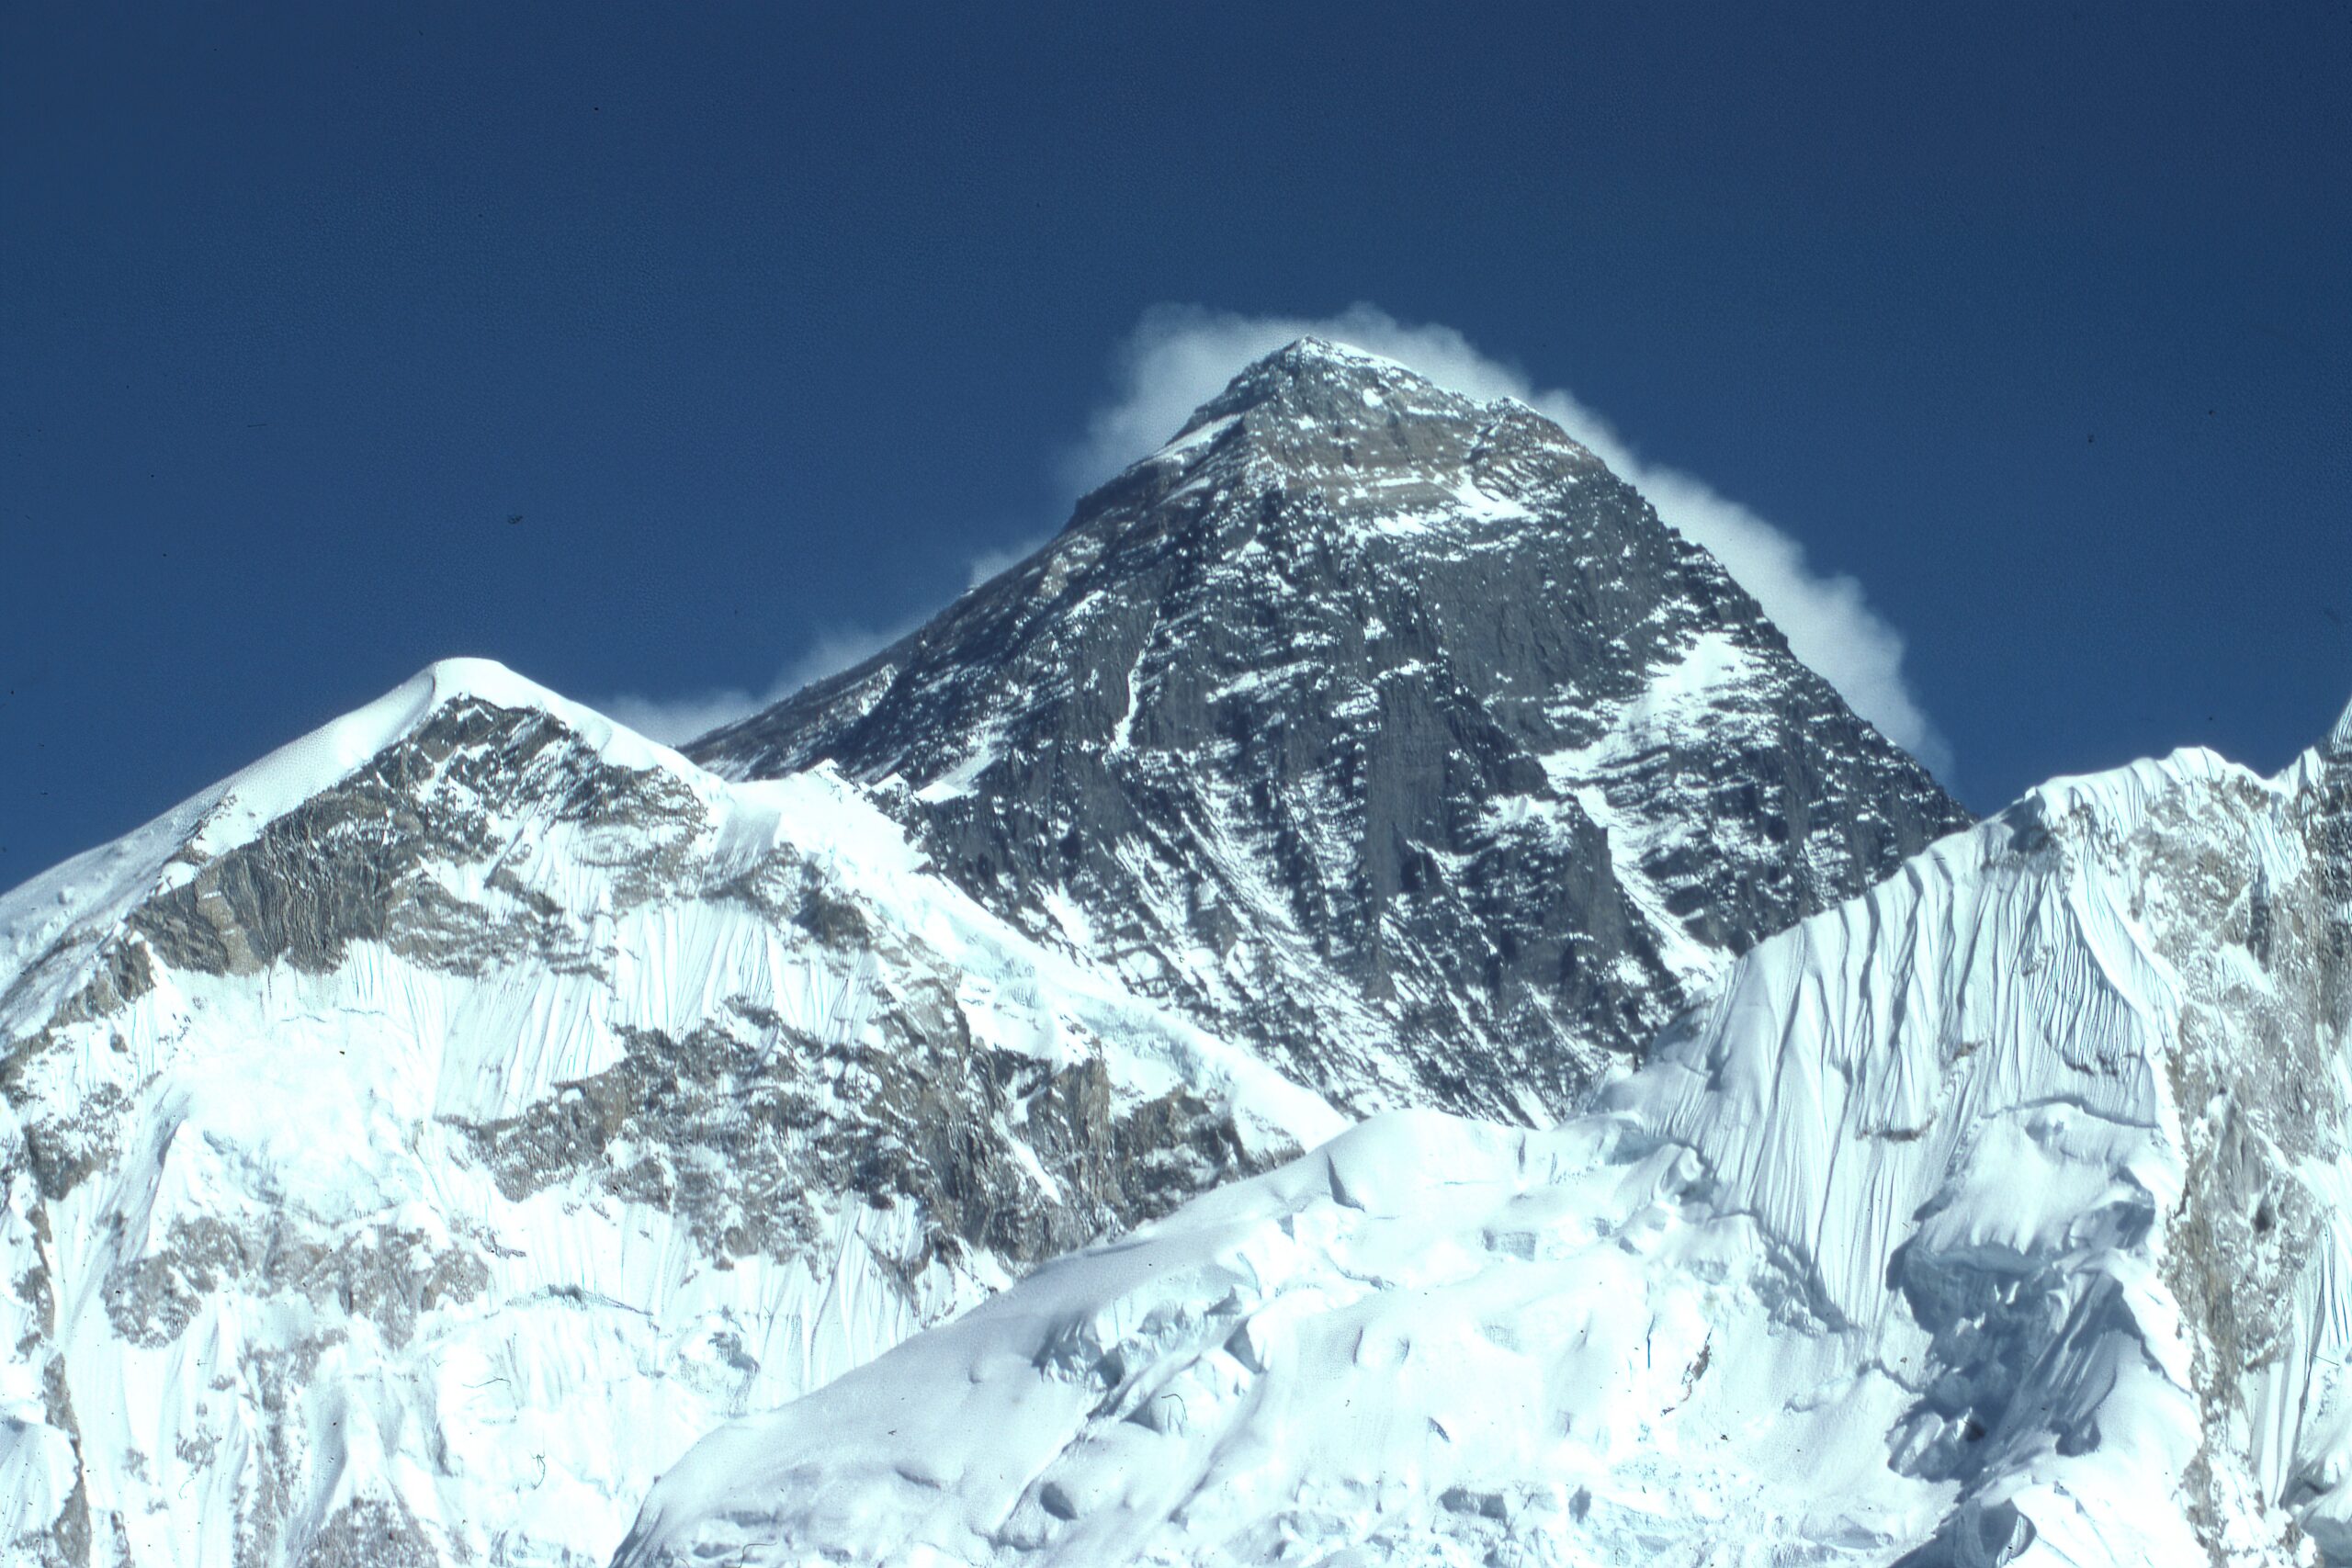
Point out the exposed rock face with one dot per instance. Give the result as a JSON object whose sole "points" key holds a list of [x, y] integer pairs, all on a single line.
{"points": [[1999, 1215], [409, 1147], [1383, 729]]}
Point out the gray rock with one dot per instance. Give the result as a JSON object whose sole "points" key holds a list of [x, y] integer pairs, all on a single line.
{"points": [[1332, 725], [1359, 729]]}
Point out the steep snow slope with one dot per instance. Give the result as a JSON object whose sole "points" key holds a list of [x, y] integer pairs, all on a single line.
{"points": [[1999, 1215], [1381, 729], [411, 1145]]}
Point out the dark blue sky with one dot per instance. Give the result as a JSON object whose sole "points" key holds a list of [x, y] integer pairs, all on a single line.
{"points": [[767, 319]]}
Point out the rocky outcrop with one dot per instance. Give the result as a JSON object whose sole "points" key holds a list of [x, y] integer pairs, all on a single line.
{"points": [[1384, 730], [408, 1149], [2001, 1214]]}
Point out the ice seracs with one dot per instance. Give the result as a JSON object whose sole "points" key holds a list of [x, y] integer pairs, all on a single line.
{"points": [[411, 1145], [1995, 1215]]}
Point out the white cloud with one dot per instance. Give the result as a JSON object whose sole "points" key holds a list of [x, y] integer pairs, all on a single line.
{"points": [[673, 721], [676, 720], [1179, 357], [1004, 557]]}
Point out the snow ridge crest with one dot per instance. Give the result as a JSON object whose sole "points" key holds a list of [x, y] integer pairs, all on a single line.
{"points": [[2338, 744]]}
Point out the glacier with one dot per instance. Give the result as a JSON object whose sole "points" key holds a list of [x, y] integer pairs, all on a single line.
{"points": [[412, 1145], [1995, 1215], [1225, 1047]]}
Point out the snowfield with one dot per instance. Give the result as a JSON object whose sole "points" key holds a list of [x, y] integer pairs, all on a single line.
{"points": [[413, 1145], [423, 1198], [1994, 1216], [929, 1128]]}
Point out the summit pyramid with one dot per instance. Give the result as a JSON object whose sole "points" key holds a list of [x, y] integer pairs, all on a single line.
{"points": [[1382, 729], [413, 1144]]}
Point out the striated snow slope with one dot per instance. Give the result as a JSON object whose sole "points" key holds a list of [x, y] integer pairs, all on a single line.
{"points": [[411, 1145], [1996, 1215]]}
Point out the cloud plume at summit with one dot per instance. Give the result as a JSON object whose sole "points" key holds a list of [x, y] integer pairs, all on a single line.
{"points": [[1179, 357]]}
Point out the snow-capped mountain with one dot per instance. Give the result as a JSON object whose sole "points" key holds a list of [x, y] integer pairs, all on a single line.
{"points": [[412, 1145], [2001, 1214], [1382, 729]]}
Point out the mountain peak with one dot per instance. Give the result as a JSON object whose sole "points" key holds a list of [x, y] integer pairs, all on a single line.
{"points": [[1316, 380], [1323, 359], [2338, 743], [302, 768], [1360, 667], [1312, 356], [1385, 449]]}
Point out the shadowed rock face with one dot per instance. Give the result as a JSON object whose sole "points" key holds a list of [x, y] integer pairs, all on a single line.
{"points": [[738, 1126], [1996, 1215], [514, 1100], [1384, 730]]}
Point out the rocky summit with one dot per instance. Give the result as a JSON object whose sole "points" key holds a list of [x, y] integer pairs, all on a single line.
{"points": [[415, 1145], [1382, 729]]}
